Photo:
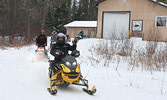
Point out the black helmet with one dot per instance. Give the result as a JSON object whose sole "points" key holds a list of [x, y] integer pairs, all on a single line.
{"points": [[60, 35]]}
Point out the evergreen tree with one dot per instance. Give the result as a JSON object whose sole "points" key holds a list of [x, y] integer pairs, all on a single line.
{"points": [[92, 11], [28, 17], [74, 10], [61, 15], [83, 10], [50, 23]]}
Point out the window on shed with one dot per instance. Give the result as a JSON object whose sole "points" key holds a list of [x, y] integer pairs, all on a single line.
{"points": [[161, 21], [124, 0]]}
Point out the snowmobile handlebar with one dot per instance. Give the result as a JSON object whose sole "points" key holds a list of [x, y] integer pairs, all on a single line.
{"points": [[59, 53], [75, 53]]}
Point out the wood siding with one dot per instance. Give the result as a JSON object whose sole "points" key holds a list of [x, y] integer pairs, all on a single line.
{"points": [[140, 10], [87, 31]]}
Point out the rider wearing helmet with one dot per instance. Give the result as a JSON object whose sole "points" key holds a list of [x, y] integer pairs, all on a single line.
{"points": [[41, 40], [53, 38], [62, 47], [60, 50], [80, 35]]}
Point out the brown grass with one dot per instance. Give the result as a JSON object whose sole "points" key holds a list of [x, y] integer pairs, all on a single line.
{"points": [[14, 42], [151, 59]]}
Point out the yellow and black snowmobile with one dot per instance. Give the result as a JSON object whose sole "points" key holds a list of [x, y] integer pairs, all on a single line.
{"points": [[67, 72]]}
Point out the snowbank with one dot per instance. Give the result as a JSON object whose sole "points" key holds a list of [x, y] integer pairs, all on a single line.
{"points": [[23, 79]]}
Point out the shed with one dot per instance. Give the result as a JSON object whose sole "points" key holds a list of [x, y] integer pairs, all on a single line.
{"points": [[88, 27], [132, 18]]}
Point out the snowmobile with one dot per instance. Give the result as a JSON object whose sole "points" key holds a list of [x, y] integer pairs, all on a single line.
{"points": [[41, 53], [80, 35], [67, 72], [68, 38]]}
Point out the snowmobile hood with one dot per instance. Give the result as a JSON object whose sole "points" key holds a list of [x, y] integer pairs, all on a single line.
{"points": [[70, 61]]}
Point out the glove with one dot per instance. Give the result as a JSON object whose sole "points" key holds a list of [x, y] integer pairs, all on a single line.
{"points": [[75, 42]]}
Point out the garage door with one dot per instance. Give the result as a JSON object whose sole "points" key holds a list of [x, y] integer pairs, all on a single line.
{"points": [[116, 25]]}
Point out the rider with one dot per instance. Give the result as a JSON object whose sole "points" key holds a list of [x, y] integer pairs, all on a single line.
{"points": [[81, 33], [53, 38], [62, 47], [41, 40]]}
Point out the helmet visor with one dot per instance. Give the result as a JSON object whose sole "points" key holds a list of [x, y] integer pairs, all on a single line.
{"points": [[61, 38]]}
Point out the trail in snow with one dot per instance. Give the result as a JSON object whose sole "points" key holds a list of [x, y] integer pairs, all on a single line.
{"points": [[23, 79]]}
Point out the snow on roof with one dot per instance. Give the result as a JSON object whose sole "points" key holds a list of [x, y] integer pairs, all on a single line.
{"points": [[82, 24], [161, 3], [155, 1]]}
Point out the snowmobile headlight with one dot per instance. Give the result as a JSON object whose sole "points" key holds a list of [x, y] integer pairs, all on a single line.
{"points": [[53, 42], [68, 63], [57, 53], [74, 63], [77, 54]]}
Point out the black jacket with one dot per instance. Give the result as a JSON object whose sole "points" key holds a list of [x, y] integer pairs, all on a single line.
{"points": [[62, 47], [41, 40]]}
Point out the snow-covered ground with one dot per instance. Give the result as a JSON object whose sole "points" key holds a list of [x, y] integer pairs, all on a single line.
{"points": [[22, 79]]}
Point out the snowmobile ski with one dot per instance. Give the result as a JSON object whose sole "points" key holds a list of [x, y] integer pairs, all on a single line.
{"points": [[90, 92], [52, 92]]}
